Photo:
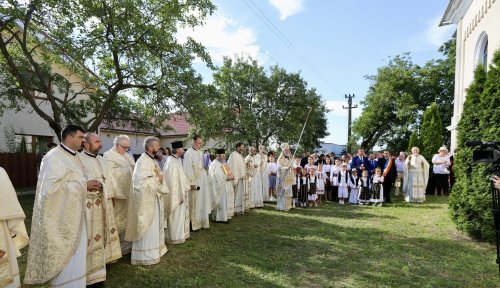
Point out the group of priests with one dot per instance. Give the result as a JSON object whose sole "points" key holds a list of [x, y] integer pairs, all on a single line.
{"points": [[90, 209]]}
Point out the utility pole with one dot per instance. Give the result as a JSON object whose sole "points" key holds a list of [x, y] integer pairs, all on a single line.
{"points": [[349, 107]]}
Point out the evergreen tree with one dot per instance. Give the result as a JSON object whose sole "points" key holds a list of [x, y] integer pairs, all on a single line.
{"points": [[414, 140], [431, 136], [470, 201]]}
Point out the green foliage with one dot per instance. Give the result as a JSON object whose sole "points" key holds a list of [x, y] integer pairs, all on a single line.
{"points": [[470, 199], [431, 136], [414, 141], [10, 138], [23, 147], [110, 51], [245, 104], [399, 94]]}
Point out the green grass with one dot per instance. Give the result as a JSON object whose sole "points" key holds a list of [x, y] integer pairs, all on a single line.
{"points": [[398, 245]]}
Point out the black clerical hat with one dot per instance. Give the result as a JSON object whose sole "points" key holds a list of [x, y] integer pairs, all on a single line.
{"points": [[177, 145], [220, 151]]}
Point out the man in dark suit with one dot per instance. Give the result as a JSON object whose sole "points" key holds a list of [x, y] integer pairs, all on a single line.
{"points": [[390, 173], [304, 159], [360, 161]]}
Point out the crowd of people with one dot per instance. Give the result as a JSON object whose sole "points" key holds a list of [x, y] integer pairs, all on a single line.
{"points": [[90, 209]]}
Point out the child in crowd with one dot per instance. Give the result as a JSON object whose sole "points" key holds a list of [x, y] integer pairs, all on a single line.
{"points": [[320, 185], [354, 182], [297, 171], [377, 188], [335, 170], [327, 167], [312, 196], [304, 185], [273, 170], [364, 188], [343, 184]]}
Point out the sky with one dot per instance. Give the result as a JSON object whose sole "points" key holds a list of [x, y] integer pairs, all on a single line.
{"points": [[333, 44]]}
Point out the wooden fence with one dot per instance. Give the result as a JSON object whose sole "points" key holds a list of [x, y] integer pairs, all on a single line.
{"points": [[22, 168]]}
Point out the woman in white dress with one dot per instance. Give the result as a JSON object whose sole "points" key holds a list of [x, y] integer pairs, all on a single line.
{"points": [[321, 181]]}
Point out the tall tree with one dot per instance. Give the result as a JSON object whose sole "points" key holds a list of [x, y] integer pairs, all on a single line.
{"points": [[431, 132], [125, 52], [399, 94], [247, 104]]}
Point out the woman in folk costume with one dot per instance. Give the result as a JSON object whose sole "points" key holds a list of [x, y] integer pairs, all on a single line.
{"points": [[13, 235], [335, 171], [343, 184], [311, 191], [285, 179], [377, 188], [416, 177], [327, 167], [297, 172], [364, 188], [320, 185], [353, 183]]}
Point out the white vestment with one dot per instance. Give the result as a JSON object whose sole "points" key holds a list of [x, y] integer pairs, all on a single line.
{"points": [[263, 175], [13, 235], [200, 200], [285, 182], [104, 245], [119, 169], [58, 229], [416, 177], [254, 183], [223, 191], [176, 202], [237, 164], [145, 213]]}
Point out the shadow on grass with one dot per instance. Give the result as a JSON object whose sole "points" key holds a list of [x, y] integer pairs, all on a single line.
{"points": [[311, 248]]}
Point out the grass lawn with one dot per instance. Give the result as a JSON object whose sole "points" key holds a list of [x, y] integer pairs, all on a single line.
{"points": [[398, 245]]}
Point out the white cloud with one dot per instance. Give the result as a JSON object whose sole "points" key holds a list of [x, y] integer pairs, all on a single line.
{"points": [[288, 7], [222, 36], [336, 109], [433, 35]]}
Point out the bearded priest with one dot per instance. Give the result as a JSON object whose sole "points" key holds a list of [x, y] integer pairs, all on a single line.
{"points": [[145, 210]]}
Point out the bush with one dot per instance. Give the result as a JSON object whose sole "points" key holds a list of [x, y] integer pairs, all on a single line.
{"points": [[470, 200]]}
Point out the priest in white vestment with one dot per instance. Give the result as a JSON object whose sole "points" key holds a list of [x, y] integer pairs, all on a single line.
{"points": [[262, 177], [200, 202], [104, 244], [286, 179], [145, 211], [237, 164], [13, 235], [254, 183], [416, 177], [58, 245], [176, 202], [222, 183], [119, 166]]}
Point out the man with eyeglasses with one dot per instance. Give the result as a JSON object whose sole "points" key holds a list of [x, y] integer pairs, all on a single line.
{"points": [[119, 166]]}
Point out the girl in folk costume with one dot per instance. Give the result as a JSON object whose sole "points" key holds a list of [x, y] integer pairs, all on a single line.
{"points": [[335, 170], [310, 164], [353, 183], [327, 167], [364, 188], [303, 187], [311, 192], [343, 184], [377, 188], [320, 185]]}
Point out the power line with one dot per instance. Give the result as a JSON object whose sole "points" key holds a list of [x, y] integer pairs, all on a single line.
{"points": [[276, 31]]}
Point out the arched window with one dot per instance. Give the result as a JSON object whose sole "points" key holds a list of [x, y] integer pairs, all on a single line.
{"points": [[481, 55]]}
